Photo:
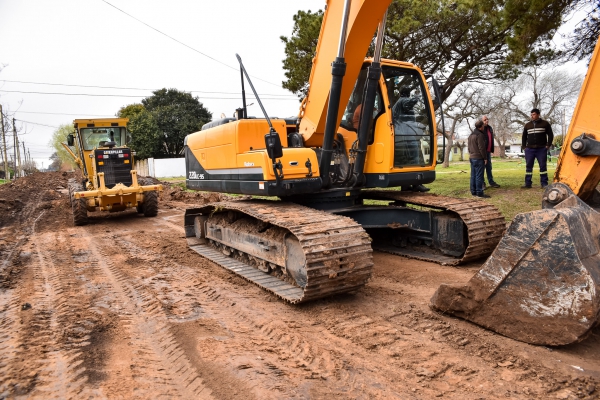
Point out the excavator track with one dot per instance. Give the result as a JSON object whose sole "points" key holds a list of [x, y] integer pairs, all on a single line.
{"points": [[337, 251], [485, 224]]}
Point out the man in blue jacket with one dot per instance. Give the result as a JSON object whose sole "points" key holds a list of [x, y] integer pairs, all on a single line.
{"points": [[536, 140]]}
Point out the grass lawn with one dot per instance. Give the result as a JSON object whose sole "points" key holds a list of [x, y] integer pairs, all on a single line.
{"points": [[509, 174]]}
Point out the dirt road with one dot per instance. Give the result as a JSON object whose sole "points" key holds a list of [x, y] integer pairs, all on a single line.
{"points": [[122, 309]]}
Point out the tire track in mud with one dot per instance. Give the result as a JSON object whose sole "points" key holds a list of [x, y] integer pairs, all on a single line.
{"points": [[398, 335], [294, 356], [45, 348], [8, 341], [159, 365]]}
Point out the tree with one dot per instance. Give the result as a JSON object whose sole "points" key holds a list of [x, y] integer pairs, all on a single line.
{"points": [[145, 135], [60, 136], [464, 104], [508, 104], [300, 50], [547, 91], [160, 124], [56, 163], [459, 41], [583, 39]]}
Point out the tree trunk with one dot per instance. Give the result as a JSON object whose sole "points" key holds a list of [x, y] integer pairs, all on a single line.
{"points": [[448, 150]]}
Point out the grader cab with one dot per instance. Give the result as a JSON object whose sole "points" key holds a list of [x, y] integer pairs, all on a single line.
{"points": [[109, 181]]}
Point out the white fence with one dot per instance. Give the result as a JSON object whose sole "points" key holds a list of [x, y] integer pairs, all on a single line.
{"points": [[161, 168]]}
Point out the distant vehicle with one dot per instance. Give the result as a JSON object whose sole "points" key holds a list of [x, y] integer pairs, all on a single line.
{"points": [[509, 154]]}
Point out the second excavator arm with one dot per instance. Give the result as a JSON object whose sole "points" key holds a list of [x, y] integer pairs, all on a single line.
{"points": [[541, 284]]}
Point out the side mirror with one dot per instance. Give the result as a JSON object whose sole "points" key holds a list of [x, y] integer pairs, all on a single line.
{"points": [[273, 145], [70, 139]]}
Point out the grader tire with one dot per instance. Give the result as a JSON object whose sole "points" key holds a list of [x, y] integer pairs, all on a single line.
{"points": [[150, 205], [80, 216], [78, 206]]}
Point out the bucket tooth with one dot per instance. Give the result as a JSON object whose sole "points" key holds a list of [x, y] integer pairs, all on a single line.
{"points": [[541, 283]]}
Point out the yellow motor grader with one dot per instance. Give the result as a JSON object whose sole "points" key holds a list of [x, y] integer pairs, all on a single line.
{"points": [[109, 181]]}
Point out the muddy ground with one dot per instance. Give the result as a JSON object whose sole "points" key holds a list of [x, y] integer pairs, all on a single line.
{"points": [[122, 309]]}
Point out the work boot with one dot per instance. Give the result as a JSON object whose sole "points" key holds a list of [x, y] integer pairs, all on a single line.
{"points": [[494, 185], [420, 188], [485, 196]]}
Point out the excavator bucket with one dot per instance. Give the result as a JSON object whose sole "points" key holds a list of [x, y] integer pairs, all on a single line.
{"points": [[541, 284]]}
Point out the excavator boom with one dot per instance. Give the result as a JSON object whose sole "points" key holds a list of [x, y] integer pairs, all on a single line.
{"points": [[541, 284], [364, 17]]}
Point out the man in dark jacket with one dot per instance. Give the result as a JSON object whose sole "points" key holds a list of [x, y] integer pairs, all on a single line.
{"points": [[537, 139], [478, 159], [488, 133]]}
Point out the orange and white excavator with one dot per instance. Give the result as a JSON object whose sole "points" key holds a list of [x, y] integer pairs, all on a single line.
{"points": [[541, 285], [365, 125]]}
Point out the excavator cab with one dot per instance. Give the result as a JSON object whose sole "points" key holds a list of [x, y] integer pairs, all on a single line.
{"points": [[402, 98]]}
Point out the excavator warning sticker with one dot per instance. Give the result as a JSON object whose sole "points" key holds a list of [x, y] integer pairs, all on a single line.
{"points": [[261, 185]]}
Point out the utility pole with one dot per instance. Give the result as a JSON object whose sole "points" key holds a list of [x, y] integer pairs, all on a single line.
{"points": [[6, 174], [20, 169], [24, 158]]}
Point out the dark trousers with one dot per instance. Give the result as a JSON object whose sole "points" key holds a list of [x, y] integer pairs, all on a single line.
{"points": [[488, 169], [541, 156], [477, 168]]}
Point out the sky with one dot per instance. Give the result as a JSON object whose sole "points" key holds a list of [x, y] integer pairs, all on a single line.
{"points": [[67, 59], [52, 50]]}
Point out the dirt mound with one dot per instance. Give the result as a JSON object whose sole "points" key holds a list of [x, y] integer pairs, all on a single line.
{"points": [[175, 193], [25, 198]]}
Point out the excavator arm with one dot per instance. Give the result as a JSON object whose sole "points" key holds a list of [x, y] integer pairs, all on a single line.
{"points": [[541, 284]]}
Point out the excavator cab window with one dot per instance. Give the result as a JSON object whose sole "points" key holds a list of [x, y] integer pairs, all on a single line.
{"points": [[352, 112], [95, 137], [411, 116]]}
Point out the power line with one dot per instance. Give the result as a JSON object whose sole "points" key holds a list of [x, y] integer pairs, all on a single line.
{"points": [[189, 47], [71, 94], [35, 123], [127, 95], [126, 88], [51, 113]]}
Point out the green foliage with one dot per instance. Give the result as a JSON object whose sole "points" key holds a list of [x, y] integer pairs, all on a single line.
{"points": [[159, 125], [558, 141], [62, 156], [145, 136], [457, 40], [300, 50]]}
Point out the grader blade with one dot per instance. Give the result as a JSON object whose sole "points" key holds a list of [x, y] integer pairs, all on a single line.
{"points": [[541, 283]]}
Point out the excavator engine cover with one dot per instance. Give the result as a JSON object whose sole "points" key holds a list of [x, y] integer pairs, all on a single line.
{"points": [[541, 283]]}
